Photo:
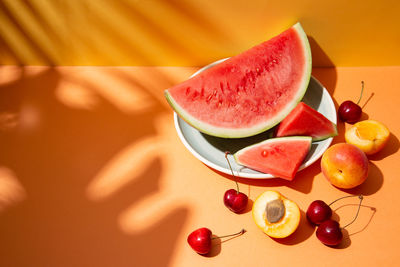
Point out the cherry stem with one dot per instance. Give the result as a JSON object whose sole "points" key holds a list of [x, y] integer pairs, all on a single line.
{"points": [[362, 90], [235, 234], [360, 196], [230, 167], [358, 210]]}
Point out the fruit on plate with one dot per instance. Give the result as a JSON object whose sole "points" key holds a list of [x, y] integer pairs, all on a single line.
{"points": [[370, 136], [349, 111], [345, 165], [303, 120], [248, 93], [200, 239], [276, 215], [280, 156]]}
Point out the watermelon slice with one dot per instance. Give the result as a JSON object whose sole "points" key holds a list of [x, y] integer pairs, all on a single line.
{"points": [[280, 157], [248, 93], [304, 120]]}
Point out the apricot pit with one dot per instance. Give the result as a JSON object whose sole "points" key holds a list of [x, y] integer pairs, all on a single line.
{"points": [[275, 211], [276, 215]]}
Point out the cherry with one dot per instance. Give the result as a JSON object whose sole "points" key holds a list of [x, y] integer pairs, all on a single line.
{"points": [[329, 232], [349, 111], [318, 212], [200, 239], [235, 200]]}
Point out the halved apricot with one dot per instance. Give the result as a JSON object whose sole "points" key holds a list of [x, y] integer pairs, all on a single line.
{"points": [[370, 136], [276, 215]]}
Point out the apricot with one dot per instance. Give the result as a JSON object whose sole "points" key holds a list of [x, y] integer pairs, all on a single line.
{"points": [[276, 215], [345, 165], [370, 136]]}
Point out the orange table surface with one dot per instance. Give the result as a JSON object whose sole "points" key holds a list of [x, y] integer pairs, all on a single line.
{"points": [[92, 173]]}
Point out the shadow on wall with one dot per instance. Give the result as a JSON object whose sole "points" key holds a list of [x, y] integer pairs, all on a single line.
{"points": [[319, 57], [323, 68], [107, 33], [122, 33], [50, 154]]}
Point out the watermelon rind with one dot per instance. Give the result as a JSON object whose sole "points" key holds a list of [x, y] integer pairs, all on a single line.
{"points": [[271, 140], [323, 137], [259, 128]]}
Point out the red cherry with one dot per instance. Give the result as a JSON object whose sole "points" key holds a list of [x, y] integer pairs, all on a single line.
{"points": [[329, 233], [349, 111], [318, 212], [200, 240], [235, 201]]}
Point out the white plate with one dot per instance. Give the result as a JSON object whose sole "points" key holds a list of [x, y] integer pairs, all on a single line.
{"points": [[211, 150]]}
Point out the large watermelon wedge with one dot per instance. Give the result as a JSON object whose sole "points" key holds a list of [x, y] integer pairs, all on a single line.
{"points": [[248, 93], [280, 157]]}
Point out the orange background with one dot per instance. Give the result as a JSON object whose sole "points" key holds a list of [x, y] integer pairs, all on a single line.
{"points": [[192, 32], [92, 172]]}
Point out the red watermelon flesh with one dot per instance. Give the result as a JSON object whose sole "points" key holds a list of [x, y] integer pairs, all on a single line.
{"points": [[306, 121], [280, 157], [248, 93]]}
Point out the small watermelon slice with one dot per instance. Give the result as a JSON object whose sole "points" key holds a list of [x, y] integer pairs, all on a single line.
{"points": [[248, 93], [306, 121], [280, 157]]}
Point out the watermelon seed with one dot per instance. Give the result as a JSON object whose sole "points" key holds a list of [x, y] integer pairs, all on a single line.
{"points": [[264, 153], [187, 90], [228, 87], [195, 95], [221, 85]]}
